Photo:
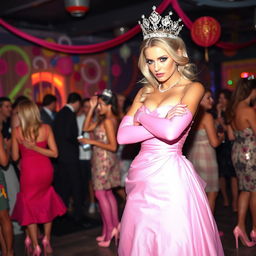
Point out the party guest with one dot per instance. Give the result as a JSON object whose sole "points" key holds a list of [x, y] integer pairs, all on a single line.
{"points": [[37, 202]]}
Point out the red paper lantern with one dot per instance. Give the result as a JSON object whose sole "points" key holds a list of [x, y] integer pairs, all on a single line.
{"points": [[205, 32]]}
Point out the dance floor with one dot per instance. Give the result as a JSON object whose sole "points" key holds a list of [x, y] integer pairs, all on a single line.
{"points": [[80, 241]]}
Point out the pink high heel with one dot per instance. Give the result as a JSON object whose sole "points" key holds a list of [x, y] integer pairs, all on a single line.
{"points": [[37, 251], [114, 234], [47, 246], [238, 233], [253, 235], [28, 246], [100, 238]]}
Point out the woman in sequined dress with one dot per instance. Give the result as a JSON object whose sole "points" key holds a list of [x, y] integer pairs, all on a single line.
{"points": [[105, 167], [242, 118]]}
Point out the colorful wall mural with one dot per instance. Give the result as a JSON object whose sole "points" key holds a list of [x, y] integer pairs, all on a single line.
{"points": [[33, 71]]}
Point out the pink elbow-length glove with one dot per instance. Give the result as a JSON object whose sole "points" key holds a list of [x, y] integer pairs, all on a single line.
{"points": [[129, 133], [163, 128]]}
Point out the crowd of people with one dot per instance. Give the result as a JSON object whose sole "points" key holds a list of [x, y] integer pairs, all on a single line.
{"points": [[75, 152], [91, 148]]}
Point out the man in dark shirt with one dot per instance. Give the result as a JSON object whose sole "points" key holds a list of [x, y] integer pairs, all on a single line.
{"points": [[68, 175], [48, 110]]}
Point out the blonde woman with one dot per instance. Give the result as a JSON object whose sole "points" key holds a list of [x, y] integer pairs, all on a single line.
{"points": [[167, 211], [37, 202]]}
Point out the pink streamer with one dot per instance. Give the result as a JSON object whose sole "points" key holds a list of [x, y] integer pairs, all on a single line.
{"points": [[93, 48], [85, 48]]}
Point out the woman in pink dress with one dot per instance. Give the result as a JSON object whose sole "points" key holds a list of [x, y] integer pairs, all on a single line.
{"points": [[37, 202], [167, 211]]}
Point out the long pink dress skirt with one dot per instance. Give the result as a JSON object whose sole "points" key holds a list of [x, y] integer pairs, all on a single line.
{"points": [[167, 211]]}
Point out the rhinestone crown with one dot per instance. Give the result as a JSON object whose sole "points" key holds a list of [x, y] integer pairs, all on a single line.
{"points": [[157, 26]]}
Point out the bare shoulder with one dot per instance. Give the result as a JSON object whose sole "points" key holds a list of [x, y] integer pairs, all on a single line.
{"points": [[45, 126], [195, 88], [249, 112], [109, 121], [136, 103], [193, 94], [208, 117]]}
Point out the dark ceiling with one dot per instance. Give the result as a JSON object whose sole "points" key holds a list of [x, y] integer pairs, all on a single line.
{"points": [[104, 16]]}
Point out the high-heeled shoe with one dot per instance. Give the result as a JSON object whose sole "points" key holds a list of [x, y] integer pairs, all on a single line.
{"points": [[37, 251], [100, 238], [28, 246], [114, 234], [253, 235], [238, 233], [47, 246]]}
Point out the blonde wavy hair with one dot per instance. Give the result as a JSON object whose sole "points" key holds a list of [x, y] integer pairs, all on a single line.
{"points": [[30, 121], [175, 47]]}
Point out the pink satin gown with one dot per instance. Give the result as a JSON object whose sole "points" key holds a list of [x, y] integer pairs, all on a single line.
{"points": [[167, 211], [37, 202]]}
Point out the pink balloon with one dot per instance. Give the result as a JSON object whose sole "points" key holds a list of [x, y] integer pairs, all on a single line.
{"points": [[3, 66], [65, 65], [116, 70], [21, 68]]}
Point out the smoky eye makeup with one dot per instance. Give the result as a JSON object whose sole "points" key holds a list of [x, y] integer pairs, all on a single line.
{"points": [[149, 61], [163, 58]]}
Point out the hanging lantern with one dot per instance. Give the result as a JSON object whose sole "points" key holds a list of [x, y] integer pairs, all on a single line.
{"points": [[205, 32], [77, 8]]}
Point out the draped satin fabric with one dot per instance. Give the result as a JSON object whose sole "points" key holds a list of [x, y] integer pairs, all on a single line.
{"points": [[167, 211]]}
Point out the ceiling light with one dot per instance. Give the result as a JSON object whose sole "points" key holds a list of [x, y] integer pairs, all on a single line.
{"points": [[77, 8]]}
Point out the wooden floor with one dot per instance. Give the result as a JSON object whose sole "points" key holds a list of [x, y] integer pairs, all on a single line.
{"points": [[82, 243]]}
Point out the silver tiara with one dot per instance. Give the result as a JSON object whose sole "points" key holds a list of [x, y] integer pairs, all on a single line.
{"points": [[157, 26], [108, 93]]}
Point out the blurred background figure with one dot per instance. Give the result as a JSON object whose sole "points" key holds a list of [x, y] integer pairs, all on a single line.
{"points": [[14, 117], [121, 100], [105, 165], [85, 153], [6, 231], [226, 169], [9, 171], [242, 120], [37, 202], [68, 179], [48, 110], [201, 148]]}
